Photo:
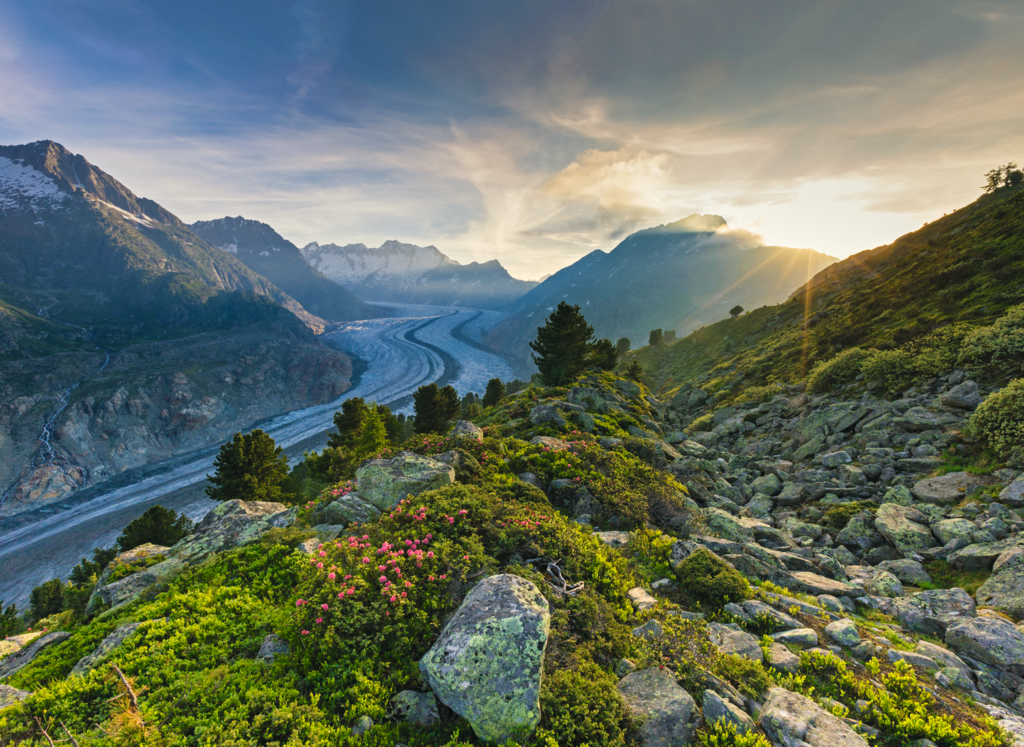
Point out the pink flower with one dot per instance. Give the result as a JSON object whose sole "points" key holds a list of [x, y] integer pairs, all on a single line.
{"points": [[331, 576], [383, 579], [298, 603], [305, 632], [319, 620], [393, 599], [462, 511], [351, 592], [366, 560], [430, 554], [403, 595], [320, 565], [341, 594], [348, 576], [323, 607], [322, 554], [444, 576]]}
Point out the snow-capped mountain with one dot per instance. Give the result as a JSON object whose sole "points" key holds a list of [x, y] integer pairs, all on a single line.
{"points": [[395, 271], [262, 249]]}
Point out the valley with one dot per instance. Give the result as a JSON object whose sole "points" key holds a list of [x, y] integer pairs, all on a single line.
{"points": [[416, 346]]}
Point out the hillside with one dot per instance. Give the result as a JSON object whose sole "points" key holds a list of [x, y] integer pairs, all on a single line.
{"points": [[408, 273], [966, 268], [124, 337], [264, 251], [679, 276]]}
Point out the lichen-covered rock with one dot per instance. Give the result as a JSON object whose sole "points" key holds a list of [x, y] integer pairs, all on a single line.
{"points": [[272, 647], [17, 642], [905, 527], [948, 530], [112, 641], [963, 396], [18, 659], [934, 611], [346, 510], [844, 632], [943, 656], [641, 599], [550, 443], [989, 640], [1004, 589], [802, 638], [415, 708], [883, 584], [1013, 494], [130, 587], [907, 571], [465, 429], [791, 720], [385, 482], [718, 709], [668, 714], [946, 490], [982, 556], [486, 664], [729, 639], [10, 695], [230, 524]]}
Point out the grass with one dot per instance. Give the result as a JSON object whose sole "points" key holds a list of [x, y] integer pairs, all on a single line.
{"points": [[945, 576]]}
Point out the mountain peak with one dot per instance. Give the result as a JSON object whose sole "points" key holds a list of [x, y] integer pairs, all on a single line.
{"points": [[695, 223]]}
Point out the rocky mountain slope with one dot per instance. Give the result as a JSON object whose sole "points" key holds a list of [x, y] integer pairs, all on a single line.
{"points": [[264, 251], [678, 276], [416, 274], [578, 571], [109, 304]]}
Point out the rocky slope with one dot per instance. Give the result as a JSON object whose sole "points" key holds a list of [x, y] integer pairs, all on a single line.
{"points": [[264, 251], [408, 273], [489, 612], [107, 300], [679, 276]]}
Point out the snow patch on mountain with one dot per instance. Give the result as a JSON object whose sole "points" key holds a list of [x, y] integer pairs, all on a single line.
{"points": [[392, 263], [24, 188]]}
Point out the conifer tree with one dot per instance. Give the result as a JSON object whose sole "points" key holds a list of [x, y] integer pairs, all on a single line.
{"points": [[349, 422], [250, 467], [622, 346], [495, 392], [435, 406], [655, 337], [634, 370], [563, 345], [374, 436], [603, 355], [159, 526]]}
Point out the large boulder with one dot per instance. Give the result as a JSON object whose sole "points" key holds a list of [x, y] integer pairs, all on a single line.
{"points": [[385, 482], [1013, 494], [934, 611], [730, 639], [465, 429], [946, 490], [716, 709], [948, 530], [983, 556], [11, 695], [107, 645], [905, 527], [345, 510], [989, 640], [230, 524], [486, 664], [791, 720], [963, 396], [1004, 589], [667, 713], [19, 659]]}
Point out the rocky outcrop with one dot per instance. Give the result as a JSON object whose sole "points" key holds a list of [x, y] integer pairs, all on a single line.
{"points": [[486, 664], [102, 651], [989, 640], [19, 659], [667, 713], [791, 720], [385, 482], [11, 695]]}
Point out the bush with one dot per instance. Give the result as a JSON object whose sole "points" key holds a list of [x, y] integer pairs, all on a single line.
{"points": [[47, 599], [997, 345], [999, 420], [723, 734], [706, 578], [703, 423], [833, 373], [749, 677], [158, 526], [895, 370], [582, 708]]}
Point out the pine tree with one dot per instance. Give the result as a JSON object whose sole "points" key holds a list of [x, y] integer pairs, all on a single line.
{"points": [[434, 406], [8, 620], [374, 436], [250, 467], [736, 310], [603, 355], [655, 337], [47, 599], [349, 422], [495, 392], [563, 345], [634, 370], [159, 526]]}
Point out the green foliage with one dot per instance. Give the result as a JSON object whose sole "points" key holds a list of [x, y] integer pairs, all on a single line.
{"points": [[835, 372], [603, 355], [655, 337], [435, 406], [9, 623], [47, 599], [748, 676], [89, 570], [374, 437], [158, 526], [582, 707], [123, 570], [709, 580], [723, 734], [250, 467], [495, 393], [997, 346], [622, 346], [634, 370], [999, 422], [945, 576], [702, 423], [1003, 176], [348, 423], [563, 345]]}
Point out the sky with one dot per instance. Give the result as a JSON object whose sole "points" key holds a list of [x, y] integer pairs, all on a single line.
{"points": [[529, 131]]}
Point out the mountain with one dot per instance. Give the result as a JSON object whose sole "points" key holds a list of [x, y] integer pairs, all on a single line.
{"points": [[916, 299], [260, 248], [678, 276], [125, 338], [408, 273]]}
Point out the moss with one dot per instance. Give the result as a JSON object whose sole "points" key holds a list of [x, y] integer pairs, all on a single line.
{"points": [[708, 580], [945, 576], [837, 517]]}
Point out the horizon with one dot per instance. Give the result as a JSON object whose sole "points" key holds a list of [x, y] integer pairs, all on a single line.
{"points": [[530, 135]]}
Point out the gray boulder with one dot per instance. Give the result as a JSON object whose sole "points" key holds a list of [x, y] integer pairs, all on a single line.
{"points": [[844, 632], [465, 429], [486, 664], [905, 527], [385, 482], [943, 656], [791, 720], [667, 713], [717, 709], [1013, 494], [989, 640], [272, 647], [934, 611], [964, 396], [19, 659], [10, 695], [415, 708], [230, 524], [883, 584], [946, 490], [346, 510], [1004, 589], [111, 642], [948, 530], [906, 570], [729, 639]]}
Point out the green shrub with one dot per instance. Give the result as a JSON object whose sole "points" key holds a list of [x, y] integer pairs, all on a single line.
{"points": [[837, 517], [123, 570], [749, 677], [158, 526], [703, 423], [723, 734], [837, 371], [582, 708], [895, 370], [998, 344], [709, 580], [999, 420]]}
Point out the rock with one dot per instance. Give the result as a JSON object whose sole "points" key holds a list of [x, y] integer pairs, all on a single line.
{"points": [[486, 664], [531, 479], [624, 667], [953, 677], [852, 475], [549, 443], [844, 632], [783, 659], [899, 525], [641, 599], [963, 396], [792, 494], [668, 714], [831, 603], [814, 584], [15, 643], [547, 415], [753, 609], [271, 648], [465, 429], [1004, 589], [983, 555], [768, 484], [18, 659], [1013, 494], [613, 539], [362, 725], [884, 584], [385, 482], [915, 659], [230, 524], [415, 708], [9, 696], [860, 532], [836, 458], [934, 611], [946, 489], [921, 419], [112, 641], [907, 571], [989, 640], [791, 720], [716, 709], [131, 587], [650, 630], [942, 656], [729, 639], [948, 530], [802, 638], [346, 510]]}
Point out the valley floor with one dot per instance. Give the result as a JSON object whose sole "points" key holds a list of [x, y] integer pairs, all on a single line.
{"points": [[419, 345]]}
